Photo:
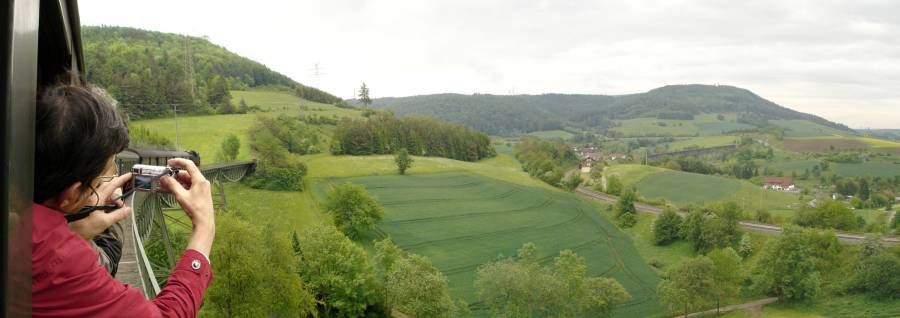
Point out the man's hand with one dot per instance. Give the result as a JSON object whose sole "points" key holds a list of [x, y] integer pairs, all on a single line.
{"points": [[98, 221], [193, 192]]}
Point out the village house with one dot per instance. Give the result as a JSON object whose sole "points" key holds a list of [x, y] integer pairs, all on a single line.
{"points": [[586, 164], [615, 155], [588, 157], [778, 183]]}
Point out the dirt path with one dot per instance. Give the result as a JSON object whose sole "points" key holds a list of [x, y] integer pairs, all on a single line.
{"points": [[753, 305], [770, 229]]}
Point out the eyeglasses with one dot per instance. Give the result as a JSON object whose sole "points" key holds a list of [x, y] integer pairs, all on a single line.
{"points": [[107, 178]]}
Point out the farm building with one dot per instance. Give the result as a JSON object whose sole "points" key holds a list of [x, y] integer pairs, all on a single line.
{"points": [[778, 183]]}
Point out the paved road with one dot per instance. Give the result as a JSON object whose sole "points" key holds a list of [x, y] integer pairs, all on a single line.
{"points": [[846, 237]]}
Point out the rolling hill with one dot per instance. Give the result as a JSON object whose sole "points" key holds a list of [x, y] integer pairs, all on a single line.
{"points": [[145, 71], [505, 114]]}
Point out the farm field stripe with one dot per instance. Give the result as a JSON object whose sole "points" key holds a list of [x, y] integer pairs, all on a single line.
{"points": [[543, 204]]}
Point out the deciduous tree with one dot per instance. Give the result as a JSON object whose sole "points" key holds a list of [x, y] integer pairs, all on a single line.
{"points": [[231, 146], [255, 273], [521, 287], [353, 208], [688, 286], [745, 247], [337, 272], [417, 288], [726, 274], [625, 210], [613, 184], [403, 160], [667, 227], [787, 267]]}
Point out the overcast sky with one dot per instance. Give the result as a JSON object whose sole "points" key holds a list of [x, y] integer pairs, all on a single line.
{"points": [[836, 59]]}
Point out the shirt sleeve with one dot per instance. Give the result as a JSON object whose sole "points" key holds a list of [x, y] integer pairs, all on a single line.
{"points": [[85, 289], [183, 294]]}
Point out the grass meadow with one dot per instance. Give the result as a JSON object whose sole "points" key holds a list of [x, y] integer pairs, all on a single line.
{"points": [[551, 134], [873, 169], [797, 166], [805, 128], [462, 220], [703, 142], [205, 134], [684, 188], [701, 125]]}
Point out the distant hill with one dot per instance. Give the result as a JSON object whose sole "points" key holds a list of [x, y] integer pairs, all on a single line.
{"points": [[145, 71], [893, 134], [503, 114]]}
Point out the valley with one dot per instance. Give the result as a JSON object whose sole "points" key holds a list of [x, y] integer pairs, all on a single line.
{"points": [[700, 150]]}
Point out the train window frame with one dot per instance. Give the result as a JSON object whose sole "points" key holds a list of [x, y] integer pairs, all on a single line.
{"points": [[41, 45]]}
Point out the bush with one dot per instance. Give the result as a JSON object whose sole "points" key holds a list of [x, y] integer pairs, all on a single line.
{"points": [[745, 248], [287, 178], [572, 181], [231, 146], [142, 137], [763, 216], [880, 275], [613, 185], [666, 227], [353, 208], [829, 214], [625, 210]]}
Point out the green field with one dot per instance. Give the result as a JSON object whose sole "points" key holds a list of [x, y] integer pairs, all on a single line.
{"points": [[204, 134], [462, 220], [797, 166], [866, 169], [551, 134], [681, 188], [702, 142], [719, 127], [684, 188], [295, 210], [631, 174], [805, 128], [702, 125], [651, 127]]}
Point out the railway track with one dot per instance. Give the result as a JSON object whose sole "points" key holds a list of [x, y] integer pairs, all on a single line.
{"points": [[770, 229]]}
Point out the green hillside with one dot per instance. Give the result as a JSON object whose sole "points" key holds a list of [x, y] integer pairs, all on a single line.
{"points": [[505, 114], [145, 71], [205, 133], [684, 188], [444, 216]]}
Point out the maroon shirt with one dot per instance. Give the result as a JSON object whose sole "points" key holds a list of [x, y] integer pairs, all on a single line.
{"points": [[67, 281]]}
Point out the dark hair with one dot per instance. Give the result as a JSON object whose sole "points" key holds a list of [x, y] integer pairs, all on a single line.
{"points": [[77, 129]]}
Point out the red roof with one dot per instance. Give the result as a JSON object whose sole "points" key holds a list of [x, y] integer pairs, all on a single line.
{"points": [[782, 181]]}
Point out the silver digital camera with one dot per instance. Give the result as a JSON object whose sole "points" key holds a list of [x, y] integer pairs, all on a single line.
{"points": [[146, 177]]}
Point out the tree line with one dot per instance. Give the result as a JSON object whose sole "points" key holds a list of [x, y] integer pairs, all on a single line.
{"points": [[547, 160], [383, 133], [272, 139], [800, 265]]}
